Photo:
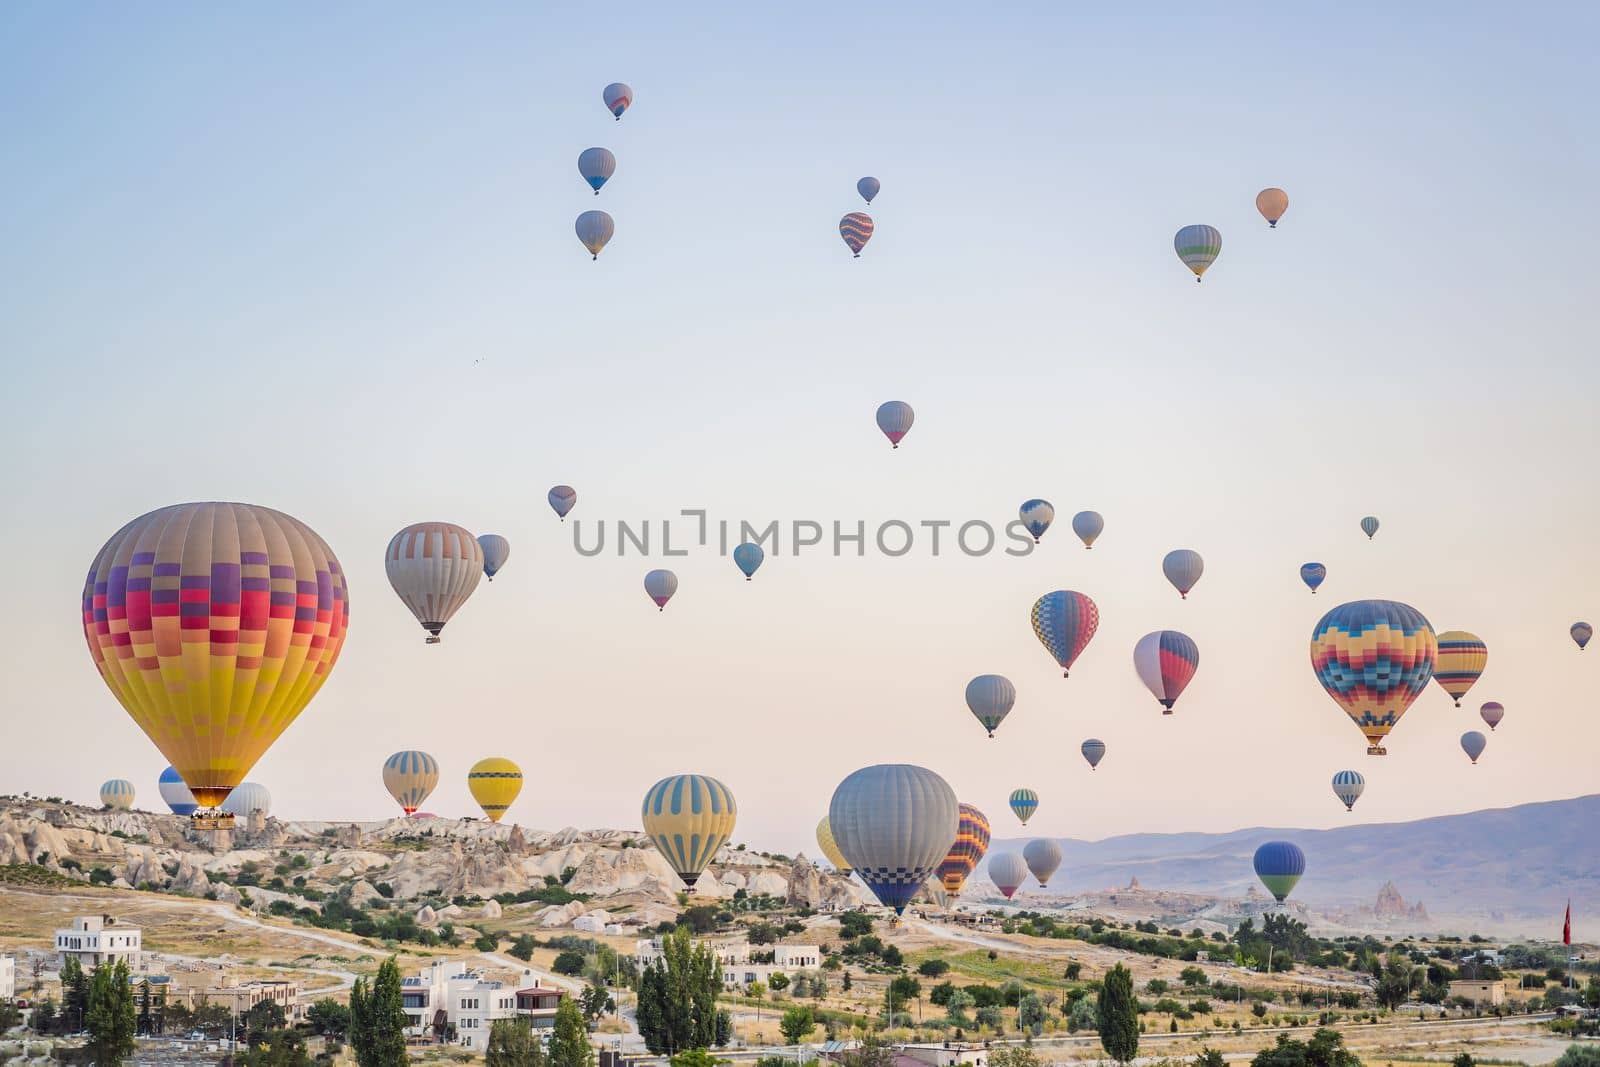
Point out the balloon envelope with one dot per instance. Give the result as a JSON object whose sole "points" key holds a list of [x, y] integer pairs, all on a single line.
{"points": [[1279, 865], [594, 230], [1581, 632], [494, 783], [1087, 525], [1313, 574], [1492, 713], [496, 550], [175, 794], [117, 794], [562, 498], [1272, 203], [1373, 657], [1043, 856], [1462, 658], [596, 165], [1348, 787], [894, 822], [1473, 743], [1094, 750], [856, 229], [868, 188], [214, 625], [1183, 568], [1166, 661], [991, 696], [1369, 526], [617, 96], [1007, 871], [659, 585], [1198, 247], [747, 557], [1024, 802], [689, 817], [409, 777], [247, 799], [1064, 622], [894, 419], [972, 841], [1036, 515], [433, 567], [830, 848]]}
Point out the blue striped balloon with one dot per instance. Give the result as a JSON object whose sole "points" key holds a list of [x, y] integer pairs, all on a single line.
{"points": [[410, 776], [175, 793], [117, 793], [1348, 787], [689, 817]]}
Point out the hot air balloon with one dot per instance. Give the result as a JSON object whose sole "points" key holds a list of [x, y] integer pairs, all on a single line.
{"points": [[247, 799], [562, 498], [1007, 871], [1183, 568], [894, 823], [1043, 856], [617, 97], [1348, 787], [596, 165], [1492, 713], [1024, 802], [1036, 515], [1065, 622], [747, 557], [496, 550], [494, 783], [1094, 750], [990, 696], [856, 229], [659, 585], [1313, 574], [1473, 743], [409, 777], [1272, 203], [434, 567], [1198, 247], [689, 817], [868, 188], [1087, 525], [1369, 526], [117, 794], [1166, 660], [175, 794], [972, 841], [1279, 865], [594, 229], [894, 419], [1462, 657], [830, 848], [1373, 657], [214, 625], [1581, 632]]}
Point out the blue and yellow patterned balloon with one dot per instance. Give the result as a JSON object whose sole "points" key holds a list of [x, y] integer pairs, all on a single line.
{"points": [[689, 817], [409, 777], [1024, 802], [117, 794], [1374, 657], [1065, 622]]}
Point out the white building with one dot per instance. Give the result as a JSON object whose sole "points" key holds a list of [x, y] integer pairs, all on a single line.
{"points": [[97, 939], [452, 994], [8, 977], [737, 959]]}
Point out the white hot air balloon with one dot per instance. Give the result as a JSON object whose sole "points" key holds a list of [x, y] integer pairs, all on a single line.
{"points": [[247, 798], [594, 229], [434, 567], [991, 696], [1087, 525], [1183, 567], [496, 550], [895, 823], [1043, 856], [617, 95], [894, 419], [596, 166], [659, 585], [1198, 247], [1007, 871]]}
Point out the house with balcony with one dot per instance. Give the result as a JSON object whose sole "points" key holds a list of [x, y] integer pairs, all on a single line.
{"points": [[96, 939]]}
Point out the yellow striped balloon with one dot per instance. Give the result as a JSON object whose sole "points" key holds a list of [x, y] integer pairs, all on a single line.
{"points": [[689, 817], [1462, 657], [409, 777], [830, 847], [494, 784]]}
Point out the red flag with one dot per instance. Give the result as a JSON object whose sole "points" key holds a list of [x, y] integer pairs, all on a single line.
{"points": [[1566, 926]]}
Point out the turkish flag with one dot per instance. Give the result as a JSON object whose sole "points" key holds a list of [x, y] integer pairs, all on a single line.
{"points": [[1566, 926]]}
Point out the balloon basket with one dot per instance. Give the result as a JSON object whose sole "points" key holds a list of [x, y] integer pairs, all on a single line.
{"points": [[1377, 750], [211, 820]]}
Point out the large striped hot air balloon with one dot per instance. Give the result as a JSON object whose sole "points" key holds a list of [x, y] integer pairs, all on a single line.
{"points": [[1492, 712], [1348, 787], [1088, 526], [1581, 632], [1462, 657], [1024, 802], [247, 799], [689, 817], [496, 550], [1198, 247], [214, 625], [830, 848], [433, 567], [1166, 661], [894, 823], [562, 498], [117, 794], [617, 96], [1065, 622], [1313, 574], [972, 841], [990, 697], [894, 419], [494, 783], [595, 230], [1043, 856], [409, 777], [868, 188], [596, 166], [1279, 865], [1036, 516], [1007, 871], [659, 585], [1272, 203], [1183, 568], [175, 794], [1094, 750], [856, 229], [1473, 743], [1373, 657]]}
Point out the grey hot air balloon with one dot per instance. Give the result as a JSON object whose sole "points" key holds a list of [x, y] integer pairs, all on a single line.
{"points": [[1043, 856], [895, 823], [990, 696], [1369, 526], [868, 188], [594, 229], [894, 419], [617, 95], [659, 585], [496, 550], [1087, 525], [434, 567], [1094, 750], [596, 166], [1007, 871], [1183, 567], [1473, 743]]}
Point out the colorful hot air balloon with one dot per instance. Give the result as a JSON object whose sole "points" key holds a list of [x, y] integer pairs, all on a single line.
{"points": [[1007, 871], [1036, 515], [990, 696], [175, 794], [1272, 203], [596, 165], [214, 625], [562, 499], [1166, 660], [856, 229], [247, 799], [1198, 247], [747, 557], [894, 419], [689, 817], [868, 188], [1473, 743], [659, 585], [1348, 787], [1024, 802], [117, 794], [617, 97], [595, 229], [494, 783], [1043, 856], [434, 567], [1581, 632], [1183, 568], [1313, 574], [496, 550], [1094, 750], [1462, 657], [409, 777], [1369, 526], [972, 841], [894, 823], [1374, 657], [1087, 525], [1065, 622], [830, 848], [1492, 712], [1279, 865]]}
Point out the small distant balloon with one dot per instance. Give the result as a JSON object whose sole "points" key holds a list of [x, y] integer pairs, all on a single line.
{"points": [[856, 229], [1492, 712], [1313, 574], [1036, 515], [1043, 857], [1198, 247], [617, 97], [1473, 743], [117, 794], [594, 229], [1087, 525], [1094, 750], [562, 499], [1348, 787], [895, 419], [494, 783], [1166, 661], [991, 696], [1272, 203], [1369, 526], [1065, 622], [496, 550], [1460, 662], [659, 585], [747, 557], [868, 188], [1007, 871], [1024, 802], [1183, 568], [1581, 632], [597, 165]]}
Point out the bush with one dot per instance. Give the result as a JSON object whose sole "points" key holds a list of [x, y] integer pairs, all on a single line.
{"points": [[569, 962], [932, 968]]}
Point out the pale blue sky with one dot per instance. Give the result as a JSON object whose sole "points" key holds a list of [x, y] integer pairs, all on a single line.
{"points": [[253, 255]]}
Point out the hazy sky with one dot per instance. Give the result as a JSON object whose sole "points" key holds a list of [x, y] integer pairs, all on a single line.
{"points": [[254, 254]]}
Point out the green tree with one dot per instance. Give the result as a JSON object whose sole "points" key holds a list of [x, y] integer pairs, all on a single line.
{"points": [[569, 1038], [595, 1002], [512, 1043], [329, 1018], [1193, 976], [1325, 1049], [1118, 1012], [10, 1016], [488, 943], [74, 993], [522, 948], [1209, 1057], [697, 1057], [360, 1029], [1580, 1056], [1031, 1014], [902, 988], [933, 968], [1394, 983], [724, 1029], [779, 981], [854, 924], [45, 1017], [570, 961], [276, 1048], [264, 1016], [1015, 1056], [1463, 1059], [956, 1003], [872, 1052], [797, 1024], [1073, 972], [111, 1019], [378, 1019], [677, 1006]]}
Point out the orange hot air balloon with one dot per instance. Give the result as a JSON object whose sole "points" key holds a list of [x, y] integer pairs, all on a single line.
{"points": [[214, 625]]}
